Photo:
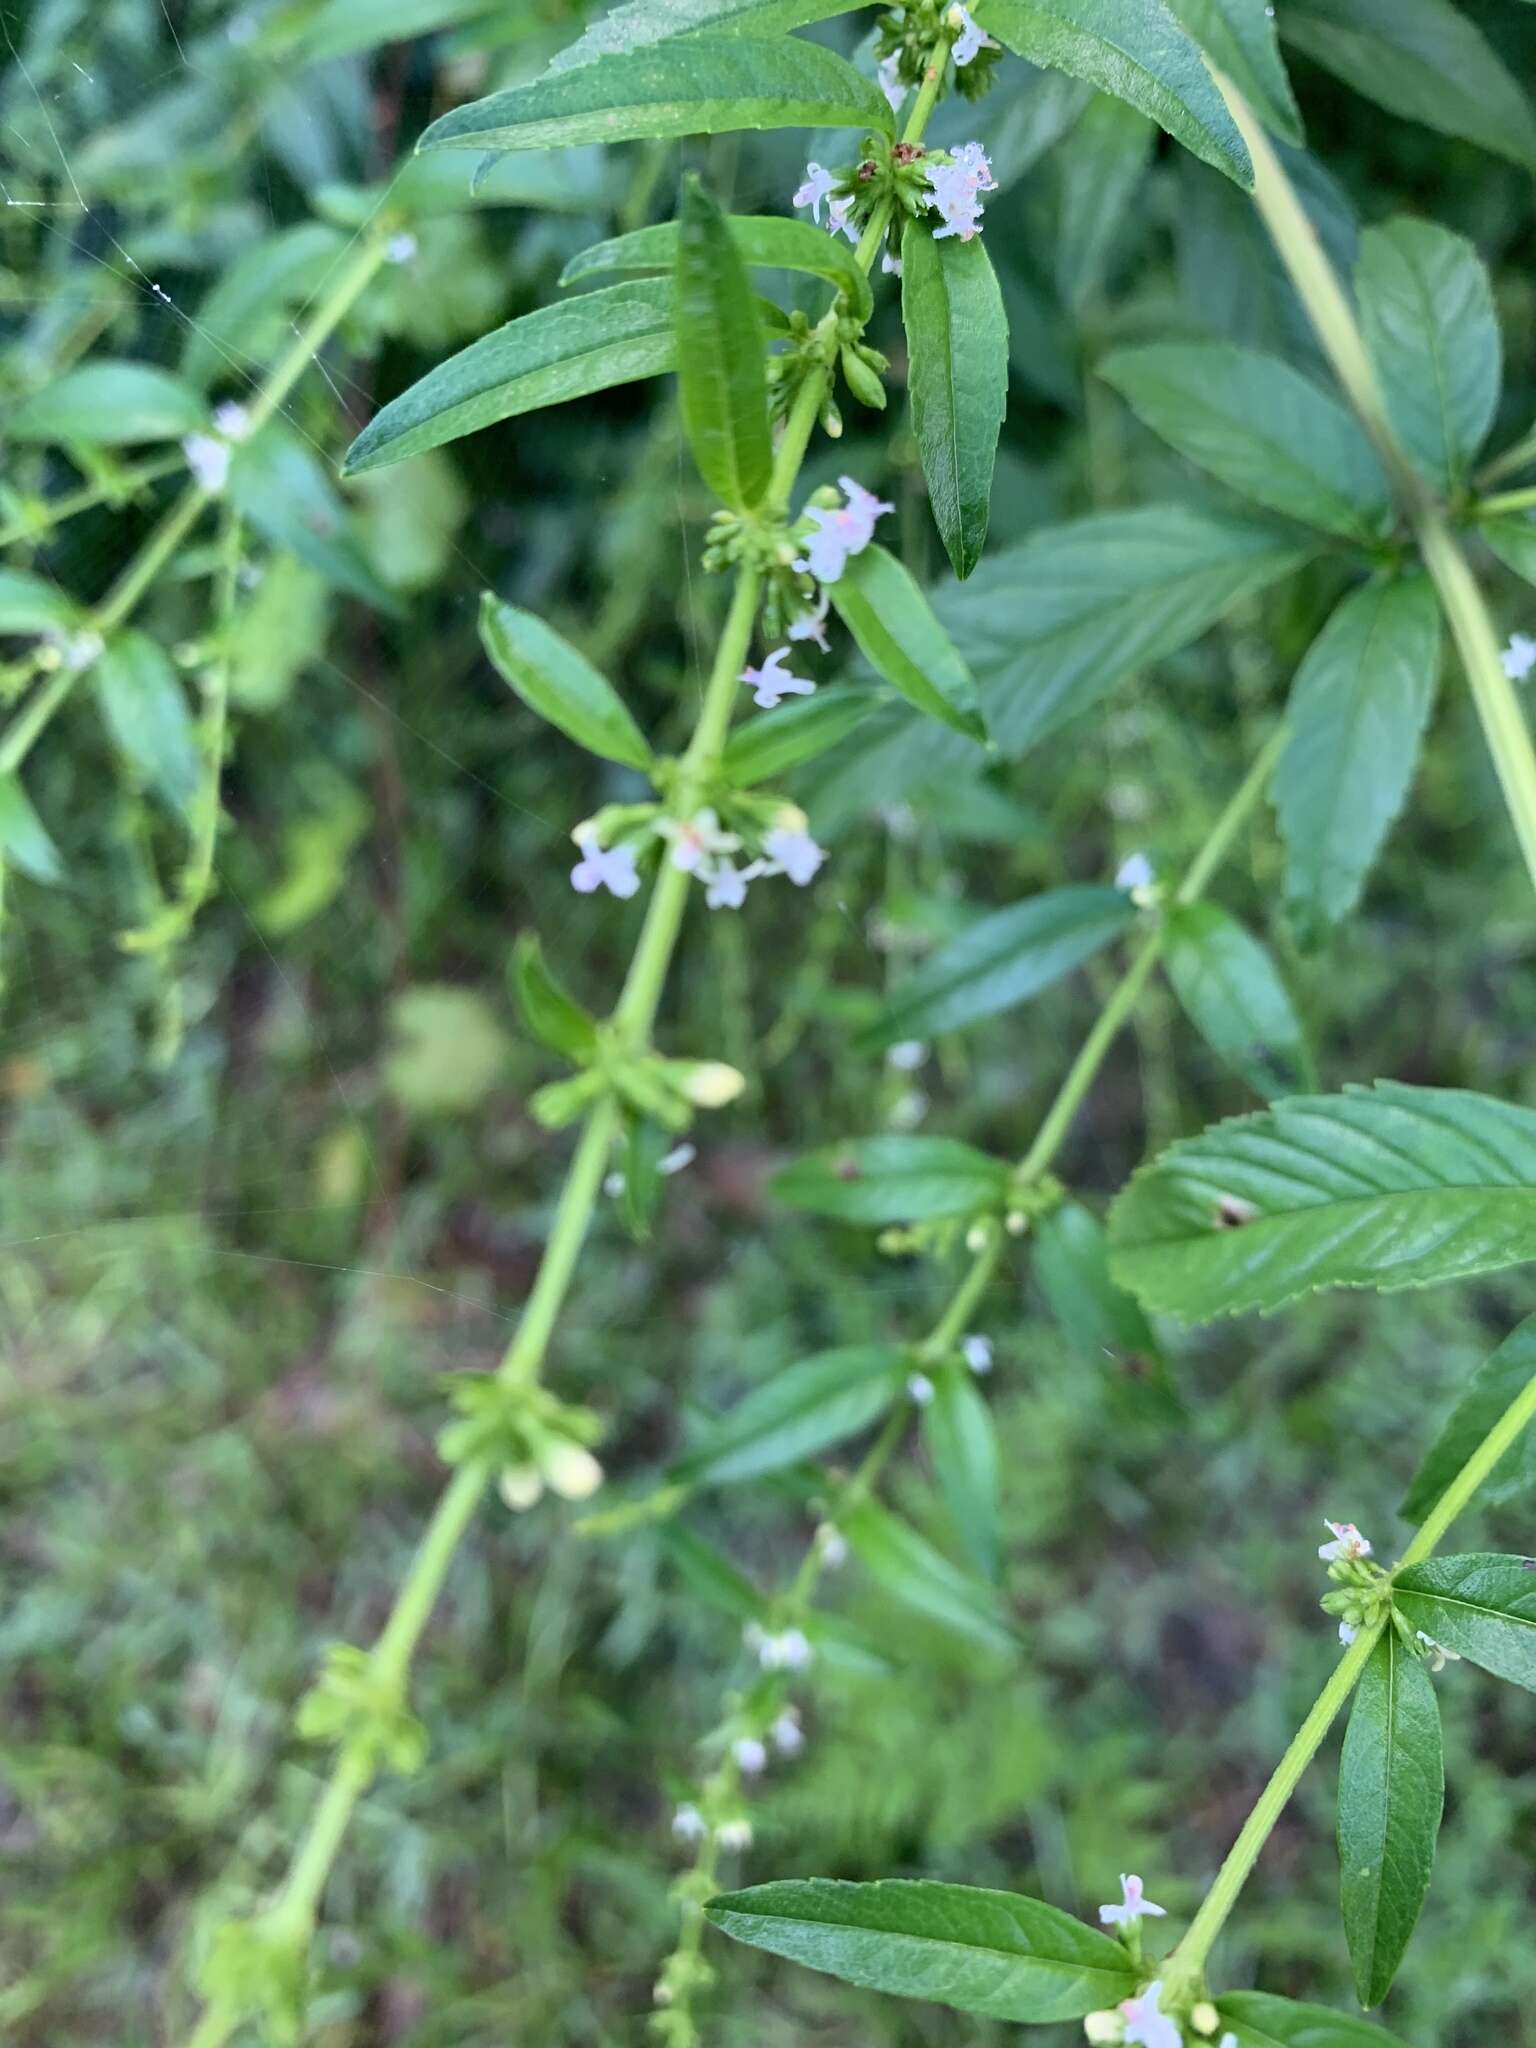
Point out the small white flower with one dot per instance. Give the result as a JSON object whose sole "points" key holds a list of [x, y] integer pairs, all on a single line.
{"points": [[614, 870], [750, 1754], [840, 219], [1519, 657], [727, 889], [696, 840], [919, 1389], [788, 1735], [1146, 2024], [971, 39], [889, 72], [614, 1184], [772, 683], [811, 625], [1347, 1543], [890, 265], [955, 189], [1436, 1655], [788, 1650], [1229, 2040], [977, 1353], [908, 1110], [232, 419], [1347, 1633], [907, 1055], [734, 1834], [1134, 873], [841, 531], [78, 650], [208, 459], [792, 853], [679, 1157], [833, 1545], [1134, 1903], [817, 186], [402, 248], [689, 1825]]}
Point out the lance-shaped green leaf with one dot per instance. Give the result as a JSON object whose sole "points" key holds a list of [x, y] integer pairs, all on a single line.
{"points": [[1134, 49], [961, 1441], [555, 1018], [704, 86], [711, 1577], [957, 375], [1427, 309], [563, 351], [764, 241], [24, 839], [1422, 59], [1099, 166], [110, 405], [1239, 38], [907, 1566], [1000, 961], [761, 748], [893, 1179], [1356, 716], [31, 604], [721, 383], [1232, 993], [1385, 1187], [801, 1411], [1266, 430], [993, 1953], [1482, 1606], [1072, 1267], [1501, 1376], [147, 714], [1391, 1795], [1512, 537], [1048, 627], [638, 24], [902, 640], [247, 309], [1260, 2020], [560, 684], [279, 484]]}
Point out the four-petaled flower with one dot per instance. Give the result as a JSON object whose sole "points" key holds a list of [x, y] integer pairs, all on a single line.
{"points": [[1146, 2024], [818, 185], [772, 683], [841, 531], [793, 853], [972, 39], [1347, 1543], [613, 870], [1134, 1903], [955, 189], [1519, 657]]}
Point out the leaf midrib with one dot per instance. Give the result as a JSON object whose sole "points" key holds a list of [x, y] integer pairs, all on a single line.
{"points": [[943, 1945]]}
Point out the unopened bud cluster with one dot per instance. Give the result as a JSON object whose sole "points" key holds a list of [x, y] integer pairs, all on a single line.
{"points": [[535, 1440]]}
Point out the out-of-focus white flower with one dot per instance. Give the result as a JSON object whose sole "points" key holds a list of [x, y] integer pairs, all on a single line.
{"points": [[817, 186], [908, 1110], [919, 1389], [1347, 1543], [786, 1649], [750, 1754], [1134, 1903], [788, 1735], [696, 840], [689, 1825], [890, 265], [727, 889], [613, 870], [772, 683], [889, 73], [208, 459], [1134, 873], [232, 419], [1347, 1633], [1519, 657], [402, 248], [1146, 2024], [734, 1834], [977, 1353], [832, 1544], [907, 1055], [971, 39], [793, 853]]}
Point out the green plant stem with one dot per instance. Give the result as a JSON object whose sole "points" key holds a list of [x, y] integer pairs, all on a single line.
{"points": [[1508, 501], [36, 525], [120, 602], [1295, 239], [1185, 1969]]}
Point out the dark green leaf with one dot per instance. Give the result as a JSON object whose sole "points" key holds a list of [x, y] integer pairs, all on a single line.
{"points": [[1134, 49], [109, 405], [763, 241], [646, 1145], [1260, 2020], [1002, 960], [560, 352], [638, 24], [1481, 1606], [721, 383], [554, 1017], [994, 1953], [1233, 995], [30, 604], [246, 312], [1072, 1267], [802, 1410], [703, 86], [902, 640], [1239, 38], [1385, 1187], [24, 839], [560, 684], [1491, 1389], [1263, 428], [1356, 716], [1391, 1794], [1048, 627], [957, 347], [893, 1180], [1422, 59], [907, 1566], [712, 1578], [1427, 309], [147, 714], [1099, 166], [1512, 537], [796, 731], [957, 1428], [280, 485]]}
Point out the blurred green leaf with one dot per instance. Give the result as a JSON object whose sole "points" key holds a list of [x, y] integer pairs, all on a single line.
{"points": [[109, 404], [241, 321], [798, 1412], [761, 748], [1495, 1384], [721, 382], [902, 640], [957, 376], [1232, 993], [1259, 2020], [280, 485], [1240, 39], [1072, 1266], [906, 1565], [1099, 166], [957, 1429], [555, 1018], [447, 1050], [560, 684], [31, 604], [638, 24], [145, 706], [892, 1179], [24, 839]]}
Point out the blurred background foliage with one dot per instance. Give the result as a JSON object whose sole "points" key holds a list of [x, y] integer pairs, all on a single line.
{"points": [[233, 1285]]}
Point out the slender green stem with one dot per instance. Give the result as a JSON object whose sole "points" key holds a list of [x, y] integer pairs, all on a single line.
{"points": [[120, 602], [1515, 1420], [1519, 455], [34, 525], [1295, 239], [573, 1212], [1508, 501]]}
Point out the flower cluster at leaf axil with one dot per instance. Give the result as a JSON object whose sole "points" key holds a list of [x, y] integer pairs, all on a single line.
{"points": [[535, 1440], [916, 181], [1154, 2017], [1365, 1595], [909, 36]]}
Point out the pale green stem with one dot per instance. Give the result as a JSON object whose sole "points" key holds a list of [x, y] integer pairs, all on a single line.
{"points": [[1515, 1420], [36, 525], [1508, 501], [1498, 708]]}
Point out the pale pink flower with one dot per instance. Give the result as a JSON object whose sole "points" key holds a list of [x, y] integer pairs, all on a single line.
{"points": [[817, 186], [614, 870], [1146, 2024], [1347, 1543], [955, 189], [772, 683], [841, 531], [1134, 1904]]}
